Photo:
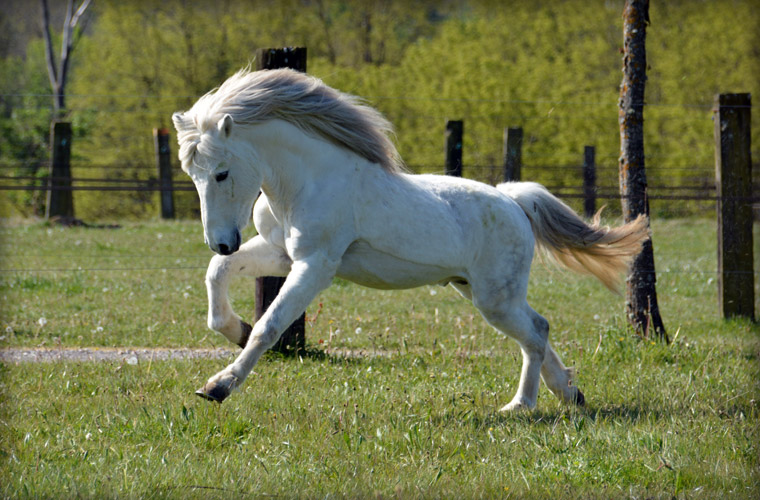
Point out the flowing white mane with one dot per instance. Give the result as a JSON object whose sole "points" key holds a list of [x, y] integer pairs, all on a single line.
{"points": [[302, 100]]}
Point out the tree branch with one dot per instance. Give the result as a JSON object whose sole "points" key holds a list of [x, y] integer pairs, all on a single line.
{"points": [[65, 45], [72, 18], [50, 58], [79, 12], [324, 19], [77, 35]]}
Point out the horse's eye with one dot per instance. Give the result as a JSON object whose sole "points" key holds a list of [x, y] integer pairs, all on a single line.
{"points": [[222, 175]]}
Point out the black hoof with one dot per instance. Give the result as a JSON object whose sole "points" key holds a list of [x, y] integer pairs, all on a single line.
{"points": [[580, 399], [216, 394], [246, 334]]}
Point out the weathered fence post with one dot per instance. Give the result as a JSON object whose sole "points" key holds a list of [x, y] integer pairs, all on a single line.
{"points": [[733, 183], [454, 138], [589, 181], [513, 138], [293, 339], [287, 57], [164, 166], [60, 200], [641, 293]]}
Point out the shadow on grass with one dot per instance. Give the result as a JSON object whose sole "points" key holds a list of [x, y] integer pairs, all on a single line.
{"points": [[351, 357], [467, 412], [206, 492], [486, 417]]}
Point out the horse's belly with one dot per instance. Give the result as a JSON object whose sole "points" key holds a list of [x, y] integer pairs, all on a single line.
{"points": [[367, 266]]}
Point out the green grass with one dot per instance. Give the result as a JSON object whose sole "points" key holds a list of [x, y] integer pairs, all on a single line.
{"points": [[661, 421]]}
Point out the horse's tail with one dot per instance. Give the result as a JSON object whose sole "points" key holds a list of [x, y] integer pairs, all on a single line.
{"points": [[586, 248]]}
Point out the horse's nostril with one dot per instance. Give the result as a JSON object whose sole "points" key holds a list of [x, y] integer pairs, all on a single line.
{"points": [[224, 249]]}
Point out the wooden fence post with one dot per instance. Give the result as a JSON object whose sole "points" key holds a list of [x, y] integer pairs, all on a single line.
{"points": [[163, 163], [513, 138], [454, 139], [60, 200], [733, 183], [293, 339], [589, 181], [287, 57]]}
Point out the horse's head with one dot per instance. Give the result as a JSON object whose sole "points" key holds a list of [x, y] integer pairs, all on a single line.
{"points": [[227, 184]]}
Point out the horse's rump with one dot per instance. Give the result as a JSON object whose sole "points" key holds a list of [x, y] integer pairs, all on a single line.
{"points": [[585, 248]]}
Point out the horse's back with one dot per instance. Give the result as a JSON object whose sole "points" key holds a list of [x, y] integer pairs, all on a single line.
{"points": [[484, 214], [431, 228]]}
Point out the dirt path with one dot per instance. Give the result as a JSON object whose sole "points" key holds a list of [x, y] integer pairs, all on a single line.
{"points": [[141, 354], [120, 354], [144, 354]]}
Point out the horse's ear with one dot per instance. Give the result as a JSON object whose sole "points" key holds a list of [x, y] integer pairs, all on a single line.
{"points": [[179, 121], [225, 125]]}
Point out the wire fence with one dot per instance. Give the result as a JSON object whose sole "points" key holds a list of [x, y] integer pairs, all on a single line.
{"points": [[703, 188], [677, 180], [702, 191]]}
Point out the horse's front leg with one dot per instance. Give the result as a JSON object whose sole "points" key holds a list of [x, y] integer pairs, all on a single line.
{"points": [[306, 279], [255, 258]]}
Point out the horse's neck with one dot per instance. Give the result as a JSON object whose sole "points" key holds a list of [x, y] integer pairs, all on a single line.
{"points": [[293, 161]]}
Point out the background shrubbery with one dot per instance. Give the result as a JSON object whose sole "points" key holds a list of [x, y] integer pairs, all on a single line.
{"points": [[551, 67]]}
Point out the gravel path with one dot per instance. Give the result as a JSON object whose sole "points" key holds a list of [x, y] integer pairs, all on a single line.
{"points": [[121, 354], [144, 354], [140, 354]]}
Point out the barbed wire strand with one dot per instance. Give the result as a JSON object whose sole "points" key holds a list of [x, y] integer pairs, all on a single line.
{"points": [[612, 102], [184, 268]]}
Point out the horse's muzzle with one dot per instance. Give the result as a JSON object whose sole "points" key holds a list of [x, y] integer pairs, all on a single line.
{"points": [[229, 247]]}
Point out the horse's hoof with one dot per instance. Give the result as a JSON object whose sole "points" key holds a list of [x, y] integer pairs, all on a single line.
{"points": [[217, 393], [517, 405], [580, 399], [246, 333]]}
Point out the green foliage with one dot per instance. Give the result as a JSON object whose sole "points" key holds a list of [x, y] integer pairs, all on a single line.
{"points": [[25, 116], [552, 68]]}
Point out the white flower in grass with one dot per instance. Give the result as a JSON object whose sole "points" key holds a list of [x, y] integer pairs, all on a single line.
{"points": [[42, 321]]}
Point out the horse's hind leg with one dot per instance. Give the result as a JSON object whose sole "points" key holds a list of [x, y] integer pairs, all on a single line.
{"points": [[255, 258], [559, 379], [515, 318], [531, 331]]}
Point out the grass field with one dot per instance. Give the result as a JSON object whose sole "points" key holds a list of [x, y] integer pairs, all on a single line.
{"points": [[420, 421]]}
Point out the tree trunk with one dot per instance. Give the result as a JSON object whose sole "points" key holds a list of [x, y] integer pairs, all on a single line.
{"points": [[641, 294]]}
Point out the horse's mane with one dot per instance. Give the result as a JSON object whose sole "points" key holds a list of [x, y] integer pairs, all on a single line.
{"points": [[251, 97]]}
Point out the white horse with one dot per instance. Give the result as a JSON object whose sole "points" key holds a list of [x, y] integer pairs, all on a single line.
{"points": [[336, 201]]}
